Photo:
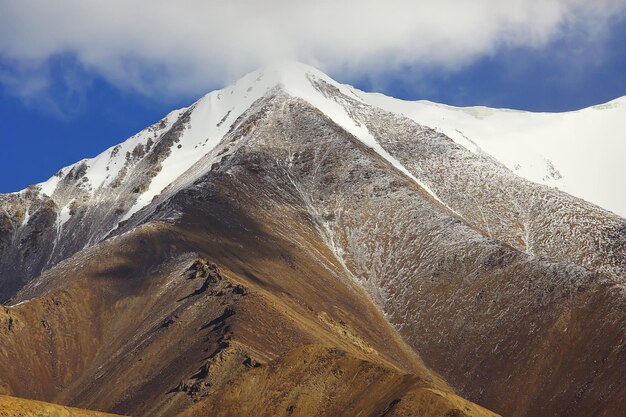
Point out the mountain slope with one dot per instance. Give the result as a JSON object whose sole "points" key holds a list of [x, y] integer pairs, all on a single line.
{"points": [[17, 407], [148, 326], [579, 152], [310, 221]]}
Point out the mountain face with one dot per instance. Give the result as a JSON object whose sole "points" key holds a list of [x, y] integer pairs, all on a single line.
{"points": [[293, 246]]}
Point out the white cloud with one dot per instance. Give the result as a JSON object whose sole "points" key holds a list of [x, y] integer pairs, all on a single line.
{"points": [[184, 47]]}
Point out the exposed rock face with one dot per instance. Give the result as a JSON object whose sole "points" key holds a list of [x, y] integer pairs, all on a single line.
{"points": [[319, 242]]}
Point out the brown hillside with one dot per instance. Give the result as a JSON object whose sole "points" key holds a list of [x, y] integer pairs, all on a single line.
{"points": [[18, 407]]}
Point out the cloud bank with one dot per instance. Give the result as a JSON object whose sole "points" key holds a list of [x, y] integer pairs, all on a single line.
{"points": [[171, 48]]}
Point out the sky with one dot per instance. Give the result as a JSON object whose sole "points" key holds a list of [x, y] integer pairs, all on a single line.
{"points": [[79, 76]]}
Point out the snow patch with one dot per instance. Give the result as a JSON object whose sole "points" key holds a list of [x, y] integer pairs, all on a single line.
{"points": [[64, 215], [18, 304], [48, 187]]}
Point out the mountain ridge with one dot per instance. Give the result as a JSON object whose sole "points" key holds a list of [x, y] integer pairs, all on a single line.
{"points": [[533, 165]]}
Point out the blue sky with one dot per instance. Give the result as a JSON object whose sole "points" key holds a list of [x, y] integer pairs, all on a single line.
{"points": [[70, 90]]}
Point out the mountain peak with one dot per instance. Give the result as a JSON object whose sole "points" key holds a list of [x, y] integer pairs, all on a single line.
{"points": [[293, 77], [286, 68]]}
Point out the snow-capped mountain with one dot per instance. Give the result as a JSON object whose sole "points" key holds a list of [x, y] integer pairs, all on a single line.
{"points": [[301, 203], [85, 202], [579, 152]]}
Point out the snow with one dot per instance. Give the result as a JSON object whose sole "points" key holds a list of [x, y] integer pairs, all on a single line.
{"points": [[586, 147], [17, 304], [49, 186], [104, 168], [26, 218], [64, 215], [62, 218]]}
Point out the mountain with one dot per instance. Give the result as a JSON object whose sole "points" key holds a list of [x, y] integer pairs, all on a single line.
{"points": [[290, 245]]}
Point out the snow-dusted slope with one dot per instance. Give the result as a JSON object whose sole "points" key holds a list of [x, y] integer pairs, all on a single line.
{"points": [[580, 152]]}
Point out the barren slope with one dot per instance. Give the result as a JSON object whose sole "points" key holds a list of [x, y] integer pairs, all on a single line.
{"points": [[144, 325], [317, 381], [18, 407]]}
